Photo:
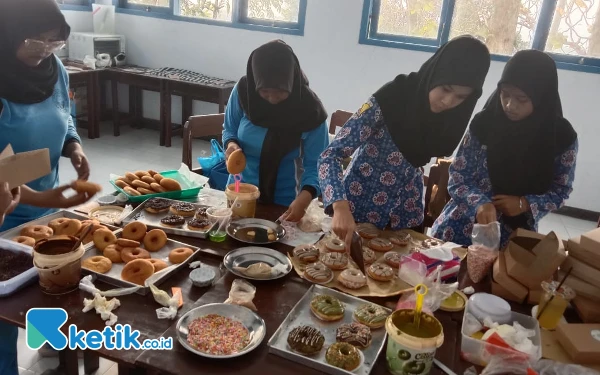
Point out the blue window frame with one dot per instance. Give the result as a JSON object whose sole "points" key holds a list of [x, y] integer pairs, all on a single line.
{"points": [[571, 34], [75, 4]]}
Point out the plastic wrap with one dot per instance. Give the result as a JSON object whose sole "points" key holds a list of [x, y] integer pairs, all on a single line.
{"points": [[242, 293], [484, 250]]}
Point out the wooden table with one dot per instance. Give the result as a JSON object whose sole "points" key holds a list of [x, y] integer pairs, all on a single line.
{"points": [[79, 77]]}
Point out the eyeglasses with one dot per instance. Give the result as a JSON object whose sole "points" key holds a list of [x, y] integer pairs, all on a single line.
{"points": [[48, 47]]}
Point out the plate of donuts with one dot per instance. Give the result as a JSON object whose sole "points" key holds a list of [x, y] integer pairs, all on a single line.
{"points": [[129, 256], [141, 185]]}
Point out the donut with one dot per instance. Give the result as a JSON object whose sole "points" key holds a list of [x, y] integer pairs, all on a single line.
{"points": [[113, 254], [343, 355], [199, 224], [236, 163], [97, 263], [89, 237], [183, 209], [158, 264], [102, 238], [131, 191], [367, 231], [392, 259], [131, 177], [327, 308], [431, 242], [156, 205], [157, 188], [137, 271], [380, 272], [306, 253], [352, 279], [355, 334], [371, 315], [124, 179], [155, 240], [152, 172], [368, 255], [335, 261], [306, 340], [86, 187], [180, 255], [69, 227], [132, 253], [336, 245], [140, 184], [37, 232], [27, 241], [381, 244], [145, 191], [124, 242], [169, 184], [134, 231], [401, 239], [318, 273], [148, 179], [172, 221], [201, 213], [54, 224], [158, 177], [122, 184], [140, 174]]}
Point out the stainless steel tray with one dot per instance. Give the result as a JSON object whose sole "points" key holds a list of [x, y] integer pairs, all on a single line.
{"points": [[44, 220], [301, 315], [153, 221], [238, 229], [113, 277], [246, 256]]}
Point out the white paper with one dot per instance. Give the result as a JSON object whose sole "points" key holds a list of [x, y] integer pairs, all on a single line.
{"points": [[211, 197], [295, 237], [195, 178], [443, 252], [104, 19], [103, 307]]}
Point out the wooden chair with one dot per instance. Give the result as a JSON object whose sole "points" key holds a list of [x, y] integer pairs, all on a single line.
{"points": [[436, 173], [196, 127], [338, 119]]}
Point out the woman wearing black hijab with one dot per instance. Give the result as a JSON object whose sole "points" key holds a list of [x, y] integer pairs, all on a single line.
{"points": [[517, 162], [397, 131], [280, 124]]}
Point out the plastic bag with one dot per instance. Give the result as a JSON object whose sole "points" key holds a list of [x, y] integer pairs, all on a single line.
{"points": [[437, 293], [484, 250], [507, 365], [549, 367], [209, 162], [242, 293], [312, 220]]}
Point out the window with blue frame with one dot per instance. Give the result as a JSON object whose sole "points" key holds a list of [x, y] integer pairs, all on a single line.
{"points": [[73, 2], [567, 29]]}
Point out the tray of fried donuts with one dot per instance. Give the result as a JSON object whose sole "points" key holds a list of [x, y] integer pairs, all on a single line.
{"points": [[128, 257], [58, 223], [141, 185], [332, 332], [172, 216]]}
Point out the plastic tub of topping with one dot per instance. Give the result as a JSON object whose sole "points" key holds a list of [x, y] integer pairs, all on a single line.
{"points": [[12, 276]]}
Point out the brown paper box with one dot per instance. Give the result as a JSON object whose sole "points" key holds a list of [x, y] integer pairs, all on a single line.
{"points": [[532, 258], [552, 349], [535, 296], [501, 277], [590, 244], [500, 291], [579, 342], [582, 271], [24, 167], [576, 250], [580, 287], [588, 310]]}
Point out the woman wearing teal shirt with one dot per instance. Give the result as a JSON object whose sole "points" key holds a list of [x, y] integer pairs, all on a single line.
{"points": [[280, 124]]}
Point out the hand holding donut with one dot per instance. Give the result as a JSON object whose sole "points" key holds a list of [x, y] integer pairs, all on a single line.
{"points": [[343, 224], [8, 200], [231, 147]]}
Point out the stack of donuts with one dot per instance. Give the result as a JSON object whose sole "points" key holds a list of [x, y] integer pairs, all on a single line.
{"points": [[139, 264], [30, 234], [145, 183]]}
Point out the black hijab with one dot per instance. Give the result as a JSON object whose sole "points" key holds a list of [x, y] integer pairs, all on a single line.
{"points": [[19, 20], [520, 154], [417, 132], [275, 66]]}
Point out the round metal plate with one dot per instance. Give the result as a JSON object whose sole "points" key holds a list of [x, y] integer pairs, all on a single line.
{"points": [[239, 229], [246, 256], [254, 323]]}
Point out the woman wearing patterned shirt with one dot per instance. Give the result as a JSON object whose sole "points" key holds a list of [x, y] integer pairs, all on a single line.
{"points": [[400, 128], [517, 162]]}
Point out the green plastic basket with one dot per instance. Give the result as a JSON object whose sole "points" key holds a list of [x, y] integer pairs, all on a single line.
{"points": [[187, 189]]}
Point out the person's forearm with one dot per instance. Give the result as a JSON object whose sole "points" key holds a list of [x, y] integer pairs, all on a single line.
{"points": [[71, 147], [35, 198], [342, 205]]}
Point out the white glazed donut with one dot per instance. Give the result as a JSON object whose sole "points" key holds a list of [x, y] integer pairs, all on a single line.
{"points": [[352, 278]]}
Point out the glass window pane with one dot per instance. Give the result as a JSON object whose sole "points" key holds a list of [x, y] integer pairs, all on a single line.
{"points": [[575, 28], [274, 10], [212, 9], [506, 26], [416, 18], [155, 3]]}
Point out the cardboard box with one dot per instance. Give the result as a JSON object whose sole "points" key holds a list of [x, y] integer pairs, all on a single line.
{"points": [[532, 257], [500, 291], [588, 310], [590, 244], [535, 296], [582, 271], [577, 251], [501, 277], [580, 341], [24, 167], [580, 287]]}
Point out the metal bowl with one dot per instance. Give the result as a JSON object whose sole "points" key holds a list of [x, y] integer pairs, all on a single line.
{"points": [[246, 256], [254, 323], [238, 229]]}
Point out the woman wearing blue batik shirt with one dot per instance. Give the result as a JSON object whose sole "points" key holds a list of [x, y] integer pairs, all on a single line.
{"points": [[400, 128], [517, 162]]}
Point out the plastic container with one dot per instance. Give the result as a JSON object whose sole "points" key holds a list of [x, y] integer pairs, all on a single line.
{"points": [[187, 189], [553, 313], [107, 200], [12, 285], [245, 200], [219, 215], [483, 305], [58, 265], [480, 352], [412, 351]]}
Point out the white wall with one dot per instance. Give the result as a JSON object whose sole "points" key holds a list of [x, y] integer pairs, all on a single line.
{"points": [[342, 72]]}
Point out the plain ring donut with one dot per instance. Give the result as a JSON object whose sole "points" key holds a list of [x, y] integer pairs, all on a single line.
{"points": [[352, 279], [27, 241], [54, 224], [137, 271], [129, 254], [158, 264], [180, 255], [37, 232], [97, 263], [103, 238], [336, 245], [112, 253], [69, 227], [155, 240], [135, 231]]}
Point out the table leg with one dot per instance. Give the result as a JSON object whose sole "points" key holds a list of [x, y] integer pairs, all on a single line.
{"points": [[91, 361], [115, 109], [139, 106], [221, 102], [132, 103], [187, 111], [162, 113], [68, 362], [125, 370], [91, 106], [167, 124], [97, 104]]}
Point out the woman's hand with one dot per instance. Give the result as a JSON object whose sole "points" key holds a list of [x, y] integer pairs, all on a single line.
{"points": [[54, 198], [509, 205], [343, 224], [298, 207], [486, 213], [9, 199], [79, 160], [231, 147]]}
